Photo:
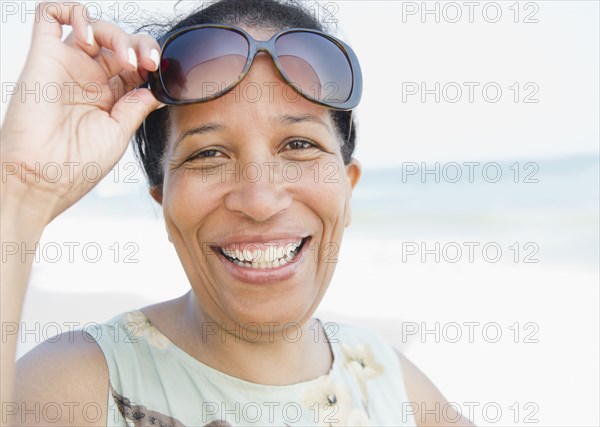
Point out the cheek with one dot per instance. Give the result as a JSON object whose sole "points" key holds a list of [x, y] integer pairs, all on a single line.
{"points": [[187, 201], [324, 186]]}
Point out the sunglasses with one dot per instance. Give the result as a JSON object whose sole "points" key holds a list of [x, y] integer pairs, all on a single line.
{"points": [[203, 62]]}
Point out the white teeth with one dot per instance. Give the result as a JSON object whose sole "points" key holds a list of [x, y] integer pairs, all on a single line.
{"points": [[251, 254], [268, 255], [280, 251], [273, 256]]}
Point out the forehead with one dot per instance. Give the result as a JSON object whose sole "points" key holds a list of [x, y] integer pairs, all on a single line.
{"points": [[259, 33], [261, 98]]}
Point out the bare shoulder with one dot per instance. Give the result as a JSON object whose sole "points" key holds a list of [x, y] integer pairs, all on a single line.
{"points": [[429, 404], [63, 382]]}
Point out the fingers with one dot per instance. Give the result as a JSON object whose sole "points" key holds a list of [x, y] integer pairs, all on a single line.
{"points": [[131, 51], [118, 53], [51, 15], [132, 109], [127, 52], [123, 57], [147, 53], [124, 78]]}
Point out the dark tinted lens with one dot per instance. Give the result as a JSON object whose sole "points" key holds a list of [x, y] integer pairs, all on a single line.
{"points": [[203, 63], [315, 65]]}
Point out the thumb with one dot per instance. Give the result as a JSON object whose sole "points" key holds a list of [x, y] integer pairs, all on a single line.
{"points": [[131, 110]]}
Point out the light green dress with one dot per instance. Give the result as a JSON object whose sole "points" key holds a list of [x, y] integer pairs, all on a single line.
{"points": [[155, 383]]}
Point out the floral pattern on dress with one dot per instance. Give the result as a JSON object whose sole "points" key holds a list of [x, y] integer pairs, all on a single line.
{"points": [[327, 402], [137, 325], [330, 402], [141, 416], [361, 363]]}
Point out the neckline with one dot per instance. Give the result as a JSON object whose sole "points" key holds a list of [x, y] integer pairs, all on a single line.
{"points": [[218, 376]]}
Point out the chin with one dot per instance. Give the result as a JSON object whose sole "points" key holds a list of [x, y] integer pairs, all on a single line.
{"points": [[276, 312]]}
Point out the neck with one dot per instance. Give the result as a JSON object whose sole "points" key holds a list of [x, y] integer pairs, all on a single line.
{"points": [[259, 354]]}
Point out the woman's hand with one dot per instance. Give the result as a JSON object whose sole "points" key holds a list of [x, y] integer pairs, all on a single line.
{"points": [[84, 111], [59, 141]]}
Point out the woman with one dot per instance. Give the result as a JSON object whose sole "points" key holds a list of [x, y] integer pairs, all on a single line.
{"points": [[255, 195]]}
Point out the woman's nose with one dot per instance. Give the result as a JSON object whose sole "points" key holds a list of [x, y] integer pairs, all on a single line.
{"points": [[260, 192]]}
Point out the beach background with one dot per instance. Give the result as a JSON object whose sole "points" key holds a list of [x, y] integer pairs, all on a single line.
{"points": [[533, 308]]}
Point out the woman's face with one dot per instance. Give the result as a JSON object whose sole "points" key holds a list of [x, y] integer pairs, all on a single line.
{"points": [[249, 177]]}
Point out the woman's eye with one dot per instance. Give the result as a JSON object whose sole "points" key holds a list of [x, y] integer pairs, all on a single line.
{"points": [[205, 153], [300, 144]]}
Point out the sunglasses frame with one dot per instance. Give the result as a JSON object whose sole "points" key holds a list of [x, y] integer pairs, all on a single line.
{"points": [[157, 86]]}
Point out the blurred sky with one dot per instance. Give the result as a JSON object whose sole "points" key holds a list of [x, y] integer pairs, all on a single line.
{"points": [[558, 56]]}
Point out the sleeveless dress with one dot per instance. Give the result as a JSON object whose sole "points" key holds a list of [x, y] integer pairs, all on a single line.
{"points": [[155, 383]]}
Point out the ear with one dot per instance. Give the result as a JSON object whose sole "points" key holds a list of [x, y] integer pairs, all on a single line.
{"points": [[157, 193], [353, 172]]}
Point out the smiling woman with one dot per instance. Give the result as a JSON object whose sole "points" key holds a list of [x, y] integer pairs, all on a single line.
{"points": [[255, 194]]}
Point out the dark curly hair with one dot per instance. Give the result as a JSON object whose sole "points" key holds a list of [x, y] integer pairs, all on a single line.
{"points": [[150, 143]]}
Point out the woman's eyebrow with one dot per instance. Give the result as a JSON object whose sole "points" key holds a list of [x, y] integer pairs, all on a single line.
{"points": [[199, 130], [289, 119], [286, 119]]}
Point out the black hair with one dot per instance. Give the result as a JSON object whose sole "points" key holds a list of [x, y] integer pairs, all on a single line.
{"points": [[150, 143]]}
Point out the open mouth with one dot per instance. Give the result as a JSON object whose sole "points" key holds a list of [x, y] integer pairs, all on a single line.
{"points": [[263, 256]]}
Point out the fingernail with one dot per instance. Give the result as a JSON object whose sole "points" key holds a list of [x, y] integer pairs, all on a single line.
{"points": [[155, 56], [90, 35], [161, 106], [132, 57]]}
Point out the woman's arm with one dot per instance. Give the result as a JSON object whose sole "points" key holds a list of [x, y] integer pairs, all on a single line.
{"points": [[95, 70], [424, 395]]}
